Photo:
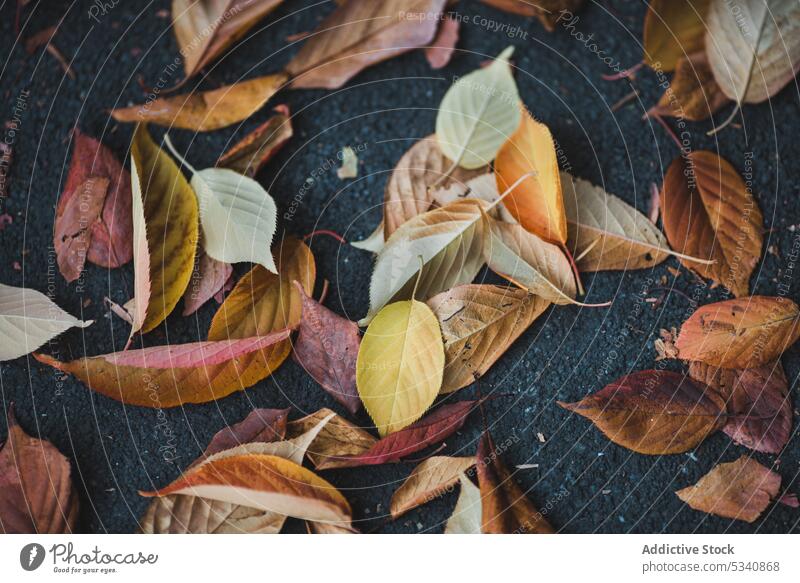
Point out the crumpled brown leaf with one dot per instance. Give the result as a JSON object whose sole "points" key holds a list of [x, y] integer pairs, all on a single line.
{"points": [[250, 154]]}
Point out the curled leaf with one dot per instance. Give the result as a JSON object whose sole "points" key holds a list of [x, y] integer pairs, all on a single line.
{"points": [[208, 278], [250, 154], [338, 438], [429, 480]]}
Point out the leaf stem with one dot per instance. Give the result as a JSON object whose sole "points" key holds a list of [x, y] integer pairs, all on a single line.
{"points": [[575, 271], [327, 232]]}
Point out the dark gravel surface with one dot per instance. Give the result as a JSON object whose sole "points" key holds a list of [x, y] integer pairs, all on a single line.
{"points": [[586, 483]]}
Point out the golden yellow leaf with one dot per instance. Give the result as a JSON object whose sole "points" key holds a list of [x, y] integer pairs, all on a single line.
{"points": [[400, 365], [430, 479], [673, 29]]}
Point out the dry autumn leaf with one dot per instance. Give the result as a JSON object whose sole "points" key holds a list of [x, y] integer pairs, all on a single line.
{"points": [[758, 403], [479, 323], [36, 491], [709, 213], [208, 278], [672, 30], [260, 426], [400, 365], [547, 11], [250, 154], [205, 29], [505, 508], [165, 231], [742, 333], [28, 320], [263, 302], [203, 111], [654, 412], [327, 348], [360, 34], [693, 93], [338, 439], [430, 479], [740, 490], [466, 517], [93, 217]]}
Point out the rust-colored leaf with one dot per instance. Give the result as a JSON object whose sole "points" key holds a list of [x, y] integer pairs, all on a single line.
{"points": [[505, 507], [441, 50], [693, 93], [203, 111], [327, 348], [338, 438], [208, 279], [740, 333], [262, 303], [654, 412], [250, 154], [740, 490], [260, 426], [758, 400], [170, 376], [93, 217], [360, 34], [547, 11], [430, 479], [709, 213], [36, 492]]}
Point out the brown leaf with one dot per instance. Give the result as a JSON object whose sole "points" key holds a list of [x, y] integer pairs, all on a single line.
{"points": [[430, 479], [208, 278], [203, 111], [250, 154], [693, 93], [327, 348], [709, 213], [654, 412], [205, 29], [479, 323], [36, 491], [505, 507], [547, 11], [740, 490], [741, 333], [263, 302], [441, 50], [360, 34], [338, 438], [93, 217], [758, 401], [673, 29], [409, 191]]}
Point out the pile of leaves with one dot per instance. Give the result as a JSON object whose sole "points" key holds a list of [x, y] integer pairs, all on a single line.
{"points": [[484, 189]]}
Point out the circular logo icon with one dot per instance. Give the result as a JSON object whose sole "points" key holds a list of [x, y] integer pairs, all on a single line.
{"points": [[31, 556]]}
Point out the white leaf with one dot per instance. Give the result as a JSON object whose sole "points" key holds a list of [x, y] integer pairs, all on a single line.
{"points": [[374, 241], [466, 518], [29, 319], [479, 113]]}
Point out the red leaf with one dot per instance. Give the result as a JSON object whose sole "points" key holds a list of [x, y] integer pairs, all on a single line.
{"points": [[441, 50], [260, 426], [327, 348]]}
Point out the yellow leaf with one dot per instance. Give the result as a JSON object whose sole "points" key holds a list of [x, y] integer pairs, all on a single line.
{"points": [[267, 302], [400, 365], [165, 231], [673, 29]]}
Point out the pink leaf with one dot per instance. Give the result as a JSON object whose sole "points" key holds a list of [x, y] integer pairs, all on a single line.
{"points": [[208, 279], [441, 50]]}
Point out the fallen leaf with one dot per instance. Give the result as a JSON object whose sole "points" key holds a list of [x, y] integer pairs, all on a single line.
{"points": [[250, 154], [107, 228], [606, 233], [754, 51], [208, 278], [479, 322], [327, 348], [693, 93], [203, 111], [205, 29], [430, 479], [165, 232], [478, 114], [170, 376], [433, 428], [466, 517], [547, 11], [441, 50], [400, 365], [349, 168], [532, 263], [450, 241], [373, 243], [410, 192], [28, 320], [338, 439], [709, 213], [537, 202], [482, 187], [263, 302], [740, 490], [505, 508], [265, 482], [360, 34], [36, 491], [742, 333], [758, 403], [654, 412], [260, 426], [673, 29]]}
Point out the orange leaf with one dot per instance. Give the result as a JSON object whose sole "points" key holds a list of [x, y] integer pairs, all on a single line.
{"points": [[536, 203]]}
